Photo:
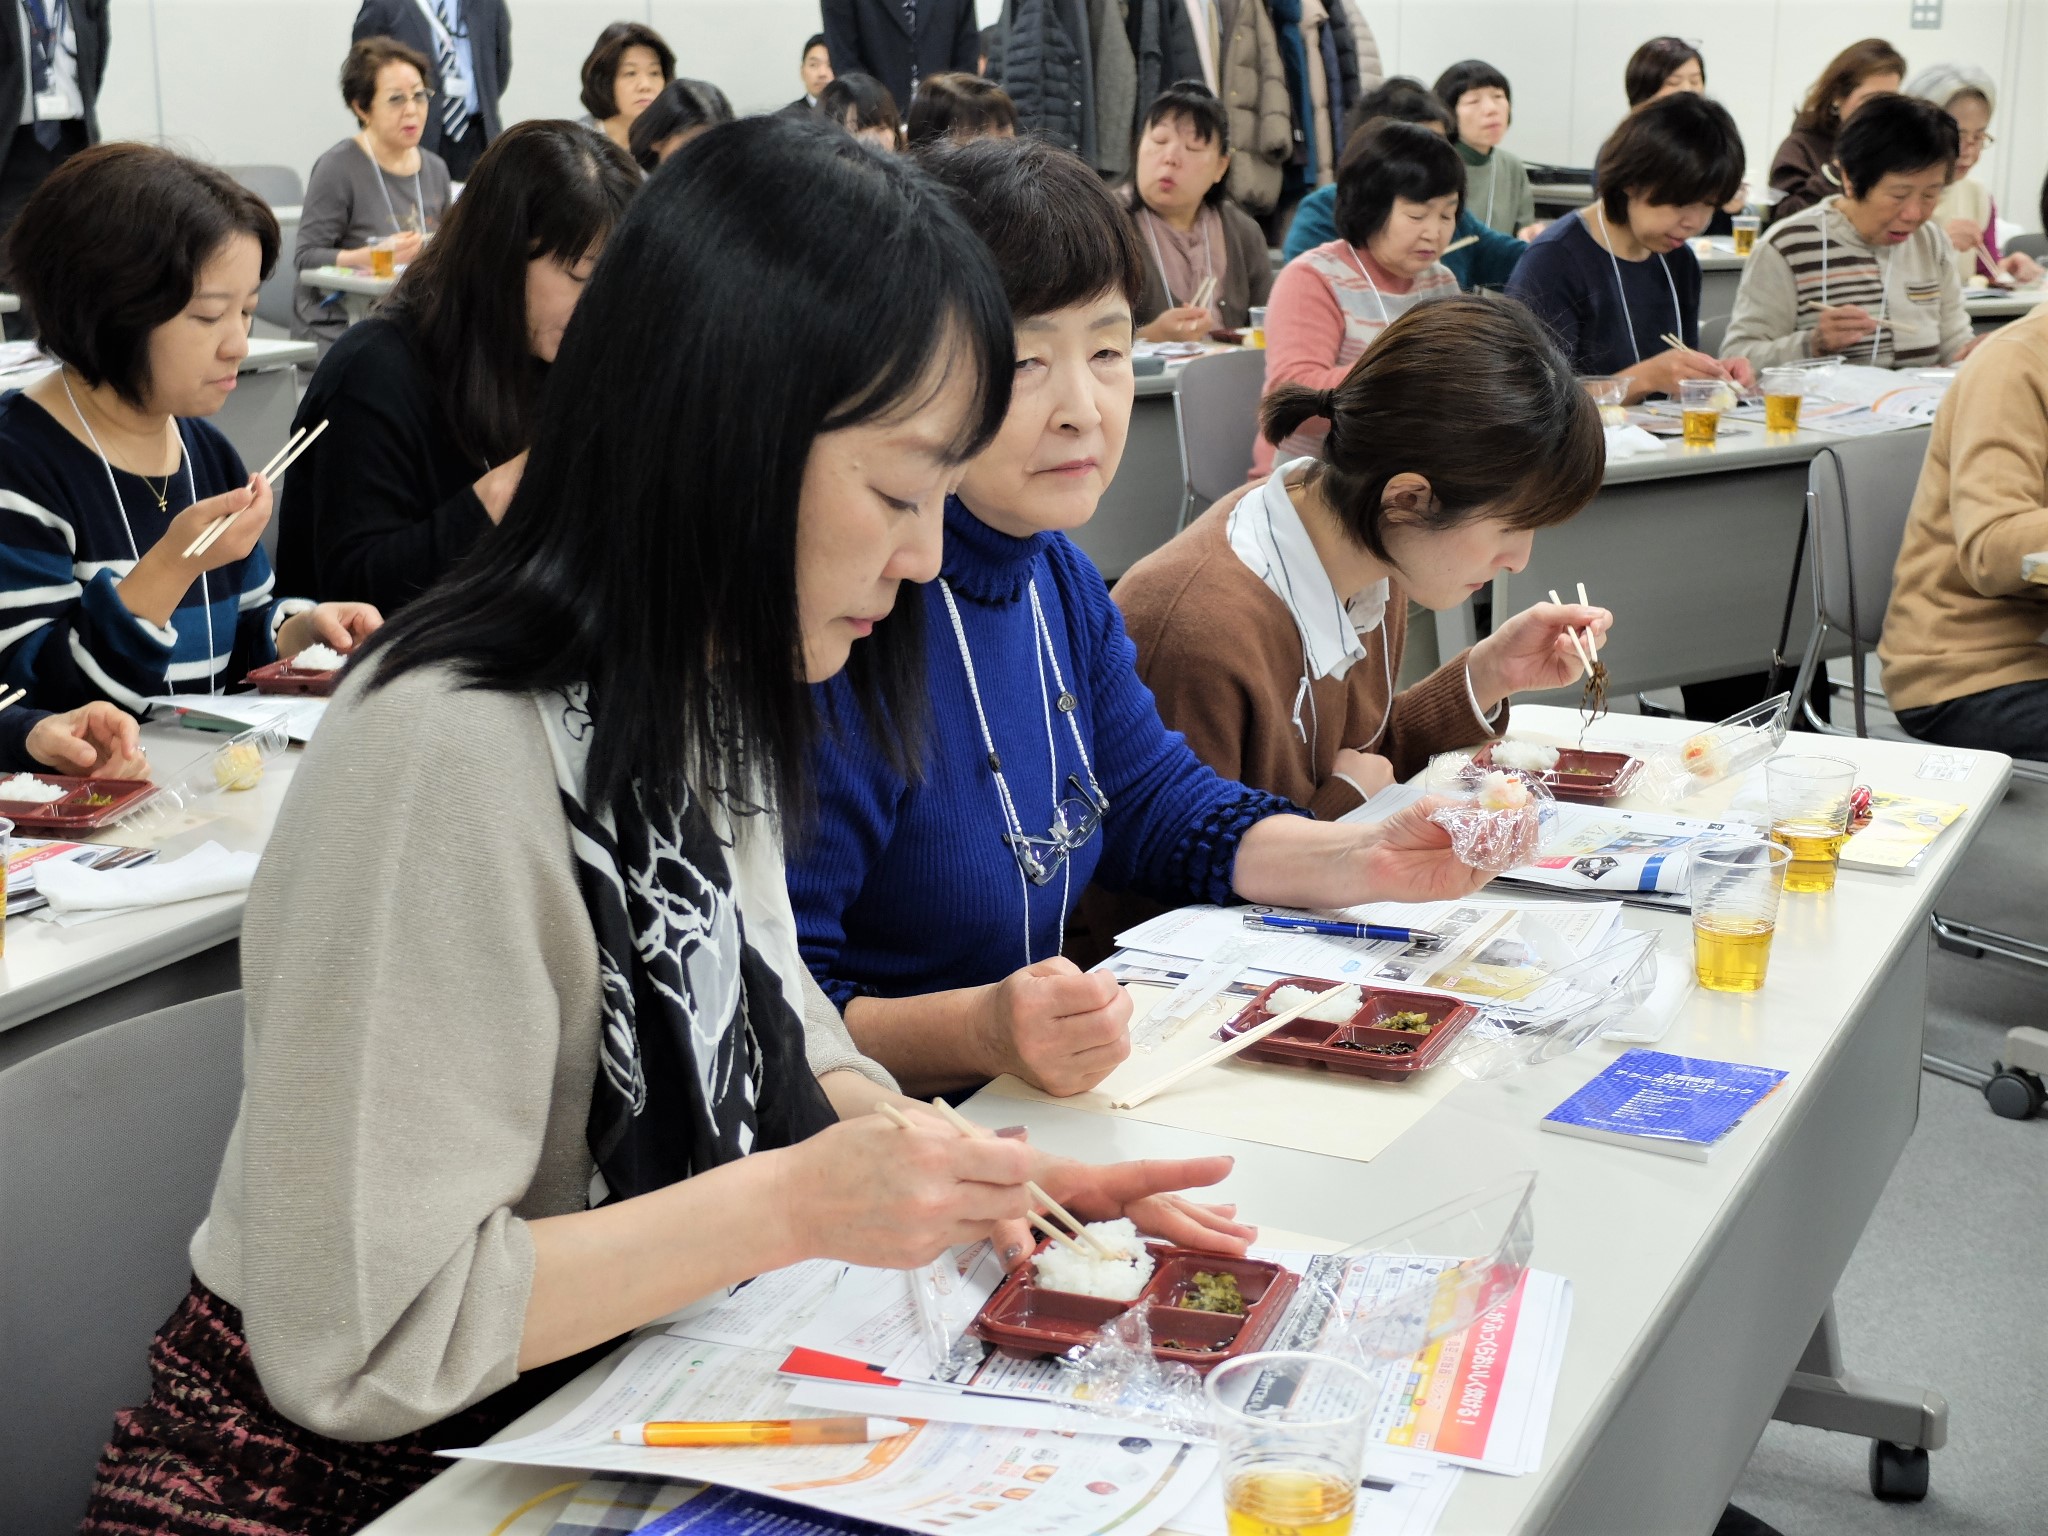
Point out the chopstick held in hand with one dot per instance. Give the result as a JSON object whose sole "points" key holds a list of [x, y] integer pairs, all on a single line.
{"points": [[281, 461]]}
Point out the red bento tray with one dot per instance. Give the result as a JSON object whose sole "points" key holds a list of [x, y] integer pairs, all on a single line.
{"points": [[1026, 1320], [1586, 776], [1312, 1043], [283, 677], [77, 811]]}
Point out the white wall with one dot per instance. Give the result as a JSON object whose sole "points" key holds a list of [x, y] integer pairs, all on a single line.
{"points": [[254, 80]]}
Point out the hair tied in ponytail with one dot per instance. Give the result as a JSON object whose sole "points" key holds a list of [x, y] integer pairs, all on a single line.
{"points": [[1326, 403]]}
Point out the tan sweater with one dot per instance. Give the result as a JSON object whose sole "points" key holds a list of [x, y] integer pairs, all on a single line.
{"points": [[1961, 620], [421, 985], [1222, 655]]}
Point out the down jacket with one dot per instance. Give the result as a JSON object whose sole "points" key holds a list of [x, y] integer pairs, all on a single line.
{"points": [[1254, 91], [1046, 65]]}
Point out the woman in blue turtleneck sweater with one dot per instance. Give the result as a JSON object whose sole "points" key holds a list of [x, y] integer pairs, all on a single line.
{"points": [[932, 908]]}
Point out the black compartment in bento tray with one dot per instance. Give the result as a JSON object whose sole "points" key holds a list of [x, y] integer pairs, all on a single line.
{"points": [[1583, 775], [87, 805], [1027, 1320], [1330, 1046]]}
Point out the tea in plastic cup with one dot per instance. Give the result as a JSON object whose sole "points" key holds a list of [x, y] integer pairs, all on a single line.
{"points": [[1745, 227], [1701, 400], [1291, 1432], [1783, 389], [1608, 392], [1258, 326], [1809, 799], [1735, 889], [383, 261]]}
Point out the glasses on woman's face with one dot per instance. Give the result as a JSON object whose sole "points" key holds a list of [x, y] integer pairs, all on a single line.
{"points": [[1074, 821], [398, 102], [1978, 138]]}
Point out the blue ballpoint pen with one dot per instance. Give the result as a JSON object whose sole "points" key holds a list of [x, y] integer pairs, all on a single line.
{"points": [[1273, 922]]}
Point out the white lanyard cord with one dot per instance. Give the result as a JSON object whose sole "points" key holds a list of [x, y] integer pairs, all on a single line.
{"points": [[419, 201], [1627, 320], [1009, 805], [1208, 258], [120, 506], [1359, 262], [1884, 287]]}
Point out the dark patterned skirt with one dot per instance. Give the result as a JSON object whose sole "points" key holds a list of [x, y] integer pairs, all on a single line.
{"points": [[207, 1455]]}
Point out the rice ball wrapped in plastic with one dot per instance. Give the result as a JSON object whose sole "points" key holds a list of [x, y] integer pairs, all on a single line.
{"points": [[1499, 827]]}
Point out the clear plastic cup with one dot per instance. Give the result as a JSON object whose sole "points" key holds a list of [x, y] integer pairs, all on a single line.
{"points": [[1291, 1433], [1608, 392], [1783, 389], [1809, 798], [1258, 326], [1745, 227], [1735, 889], [1701, 400]]}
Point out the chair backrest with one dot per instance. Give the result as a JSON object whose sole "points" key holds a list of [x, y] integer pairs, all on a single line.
{"points": [[2034, 244], [1713, 331], [277, 185], [1217, 411], [1861, 491], [109, 1144]]}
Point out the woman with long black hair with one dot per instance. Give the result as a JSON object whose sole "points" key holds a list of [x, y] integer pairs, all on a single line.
{"points": [[430, 403], [523, 919]]}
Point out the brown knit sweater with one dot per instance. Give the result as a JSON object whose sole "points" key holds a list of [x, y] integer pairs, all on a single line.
{"points": [[1221, 654], [1961, 619]]}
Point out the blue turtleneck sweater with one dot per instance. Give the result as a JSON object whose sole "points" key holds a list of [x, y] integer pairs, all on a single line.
{"points": [[904, 887]]}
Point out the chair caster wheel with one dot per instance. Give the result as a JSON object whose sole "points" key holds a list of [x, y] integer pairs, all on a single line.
{"points": [[2014, 1093], [1898, 1473]]}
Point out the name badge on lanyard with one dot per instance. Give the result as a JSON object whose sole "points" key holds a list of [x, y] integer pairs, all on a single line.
{"points": [[52, 105]]}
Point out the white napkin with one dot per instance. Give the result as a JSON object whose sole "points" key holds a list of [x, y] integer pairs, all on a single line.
{"points": [[1626, 442], [77, 894]]}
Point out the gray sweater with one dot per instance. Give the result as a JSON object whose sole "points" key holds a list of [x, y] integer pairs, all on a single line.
{"points": [[352, 202], [421, 984]]}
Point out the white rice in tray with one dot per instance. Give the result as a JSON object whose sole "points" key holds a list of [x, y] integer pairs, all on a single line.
{"points": [[318, 658], [1531, 755], [1337, 1007], [1120, 1278], [27, 789]]}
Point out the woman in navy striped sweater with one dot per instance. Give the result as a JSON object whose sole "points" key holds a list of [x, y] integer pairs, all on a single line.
{"points": [[139, 270], [932, 906]]}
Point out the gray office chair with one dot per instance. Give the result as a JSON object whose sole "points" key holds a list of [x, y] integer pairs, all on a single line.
{"points": [[2034, 245], [1857, 499], [109, 1144], [1216, 412], [277, 185], [1713, 331]]}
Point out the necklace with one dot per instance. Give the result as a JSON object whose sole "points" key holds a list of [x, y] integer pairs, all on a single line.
{"points": [[1036, 867], [214, 659], [162, 493]]}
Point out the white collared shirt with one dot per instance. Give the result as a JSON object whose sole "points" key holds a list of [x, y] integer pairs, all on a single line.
{"points": [[1267, 534]]}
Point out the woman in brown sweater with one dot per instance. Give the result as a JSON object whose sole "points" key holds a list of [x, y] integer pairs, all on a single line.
{"points": [[1270, 630], [1801, 170]]}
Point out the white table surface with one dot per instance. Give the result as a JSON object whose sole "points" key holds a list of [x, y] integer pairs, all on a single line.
{"points": [[10, 303], [343, 280], [1635, 1232], [47, 967], [2003, 303]]}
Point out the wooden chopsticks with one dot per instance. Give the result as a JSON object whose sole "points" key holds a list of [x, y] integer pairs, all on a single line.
{"points": [[1228, 1048], [13, 698], [280, 461], [1457, 245], [968, 1128], [1583, 643]]}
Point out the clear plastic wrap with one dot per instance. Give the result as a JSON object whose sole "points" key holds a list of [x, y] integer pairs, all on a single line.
{"points": [[1497, 817], [1580, 1001], [1674, 773], [235, 765], [1376, 1304]]}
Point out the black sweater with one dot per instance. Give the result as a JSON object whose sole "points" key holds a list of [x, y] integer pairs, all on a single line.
{"points": [[381, 507]]}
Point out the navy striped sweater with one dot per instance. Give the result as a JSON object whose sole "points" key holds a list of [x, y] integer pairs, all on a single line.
{"points": [[65, 634]]}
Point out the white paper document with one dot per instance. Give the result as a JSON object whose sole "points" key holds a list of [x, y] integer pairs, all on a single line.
{"points": [[300, 714]]}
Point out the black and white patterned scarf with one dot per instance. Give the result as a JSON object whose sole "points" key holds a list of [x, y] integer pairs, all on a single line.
{"points": [[701, 1046]]}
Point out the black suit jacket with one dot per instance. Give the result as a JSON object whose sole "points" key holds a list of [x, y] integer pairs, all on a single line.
{"points": [[871, 36], [490, 50], [89, 26]]}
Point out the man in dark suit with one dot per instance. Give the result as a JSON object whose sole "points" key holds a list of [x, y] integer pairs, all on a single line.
{"points": [[816, 72], [469, 44], [53, 56], [901, 42]]}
